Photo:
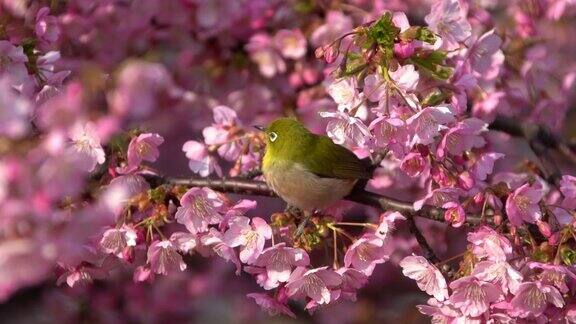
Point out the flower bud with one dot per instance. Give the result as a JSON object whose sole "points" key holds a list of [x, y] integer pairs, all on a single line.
{"points": [[544, 228], [465, 180], [403, 50]]}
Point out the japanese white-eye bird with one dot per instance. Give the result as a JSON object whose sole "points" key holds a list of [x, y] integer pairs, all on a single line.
{"points": [[306, 170]]}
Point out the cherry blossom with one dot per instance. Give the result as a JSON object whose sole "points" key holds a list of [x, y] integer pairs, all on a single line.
{"points": [[473, 296], [366, 253], [448, 19], [200, 208], [427, 276], [314, 283], [163, 258], [522, 204], [279, 260], [251, 237]]}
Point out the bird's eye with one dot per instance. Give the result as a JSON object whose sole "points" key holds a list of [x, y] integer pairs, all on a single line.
{"points": [[273, 136]]}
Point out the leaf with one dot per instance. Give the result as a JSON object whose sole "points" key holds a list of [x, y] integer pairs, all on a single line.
{"points": [[433, 63], [383, 32], [419, 33]]}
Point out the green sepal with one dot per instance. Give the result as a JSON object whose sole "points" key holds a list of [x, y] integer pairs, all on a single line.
{"points": [[432, 62], [568, 255], [418, 33], [434, 98], [383, 32]]}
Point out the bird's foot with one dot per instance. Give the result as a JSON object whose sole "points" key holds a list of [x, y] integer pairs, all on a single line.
{"points": [[302, 226], [293, 211]]}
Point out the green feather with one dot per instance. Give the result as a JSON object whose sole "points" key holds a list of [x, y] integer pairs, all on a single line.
{"points": [[318, 154]]}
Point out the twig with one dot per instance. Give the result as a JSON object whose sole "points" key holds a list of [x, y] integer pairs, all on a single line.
{"points": [[426, 249], [259, 188]]}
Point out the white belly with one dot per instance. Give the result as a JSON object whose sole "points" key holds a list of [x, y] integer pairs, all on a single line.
{"points": [[305, 190]]}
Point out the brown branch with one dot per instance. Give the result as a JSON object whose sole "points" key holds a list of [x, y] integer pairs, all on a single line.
{"points": [[259, 188], [426, 248]]}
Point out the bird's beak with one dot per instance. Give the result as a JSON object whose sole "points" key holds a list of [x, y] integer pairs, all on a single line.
{"points": [[261, 128]]}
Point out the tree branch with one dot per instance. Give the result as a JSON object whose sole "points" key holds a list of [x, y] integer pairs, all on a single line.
{"points": [[426, 248], [243, 186]]}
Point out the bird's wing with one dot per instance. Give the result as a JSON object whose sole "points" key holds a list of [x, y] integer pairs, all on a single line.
{"points": [[330, 160]]}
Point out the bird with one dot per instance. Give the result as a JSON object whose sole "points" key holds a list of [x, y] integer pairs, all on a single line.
{"points": [[309, 171]]}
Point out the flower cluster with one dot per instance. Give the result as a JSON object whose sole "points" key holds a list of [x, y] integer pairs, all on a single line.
{"points": [[461, 105]]}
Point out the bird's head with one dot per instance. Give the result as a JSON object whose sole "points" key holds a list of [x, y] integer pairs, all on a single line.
{"points": [[284, 135]]}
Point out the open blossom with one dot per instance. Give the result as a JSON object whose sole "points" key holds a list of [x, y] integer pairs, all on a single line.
{"points": [[487, 243], [472, 296], [336, 25], [199, 208], [441, 312], [386, 225], [314, 283], [427, 276], [164, 258], [499, 273], [448, 19], [427, 124], [346, 130], [13, 64], [86, 147], [15, 110], [184, 242], [251, 237], [414, 164], [115, 240], [391, 133], [263, 52], [47, 28], [199, 160], [406, 77], [345, 94], [568, 189], [463, 137], [486, 56], [279, 260], [532, 298], [221, 133], [365, 253], [522, 204], [139, 86], [454, 213], [144, 147], [290, 43], [485, 165], [271, 304], [439, 197], [352, 280], [215, 240]]}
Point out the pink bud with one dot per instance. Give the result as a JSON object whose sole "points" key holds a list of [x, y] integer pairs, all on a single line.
{"points": [[459, 159], [497, 219], [479, 198], [544, 228], [128, 254], [554, 239], [465, 180], [404, 50], [413, 164], [142, 274]]}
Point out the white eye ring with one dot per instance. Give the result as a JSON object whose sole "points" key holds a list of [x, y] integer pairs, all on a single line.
{"points": [[273, 136]]}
